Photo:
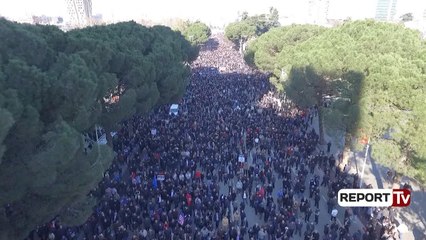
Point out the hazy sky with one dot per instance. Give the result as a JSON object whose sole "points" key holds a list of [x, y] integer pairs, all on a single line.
{"points": [[212, 11]]}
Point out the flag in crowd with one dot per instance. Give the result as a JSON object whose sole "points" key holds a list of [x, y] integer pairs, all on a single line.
{"points": [[154, 183], [181, 219]]}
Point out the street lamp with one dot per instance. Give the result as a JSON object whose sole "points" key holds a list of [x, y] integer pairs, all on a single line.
{"points": [[365, 161], [353, 148]]}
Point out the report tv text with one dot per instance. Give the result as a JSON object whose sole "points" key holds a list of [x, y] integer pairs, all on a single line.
{"points": [[374, 197]]}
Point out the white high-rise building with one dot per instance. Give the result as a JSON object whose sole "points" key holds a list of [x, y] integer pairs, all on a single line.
{"points": [[386, 10], [424, 15], [318, 11], [80, 12]]}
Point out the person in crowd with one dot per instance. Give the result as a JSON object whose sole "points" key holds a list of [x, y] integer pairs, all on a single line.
{"points": [[187, 181]]}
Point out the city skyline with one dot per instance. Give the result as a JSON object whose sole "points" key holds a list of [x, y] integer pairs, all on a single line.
{"points": [[318, 11], [386, 10], [214, 14], [80, 12]]}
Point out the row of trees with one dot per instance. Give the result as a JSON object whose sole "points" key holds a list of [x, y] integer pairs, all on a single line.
{"points": [[54, 86], [373, 73], [195, 32], [248, 27]]}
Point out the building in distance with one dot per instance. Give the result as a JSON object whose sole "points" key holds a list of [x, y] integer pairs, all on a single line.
{"points": [[386, 10], [46, 20], [80, 12]]}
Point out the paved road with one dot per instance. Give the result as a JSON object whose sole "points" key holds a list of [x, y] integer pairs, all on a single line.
{"points": [[324, 216], [415, 215], [375, 174]]}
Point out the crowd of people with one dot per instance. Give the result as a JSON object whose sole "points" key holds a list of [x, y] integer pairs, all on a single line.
{"points": [[234, 163]]}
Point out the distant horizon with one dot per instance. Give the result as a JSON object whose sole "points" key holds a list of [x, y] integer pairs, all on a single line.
{"points": [[213, 14]]}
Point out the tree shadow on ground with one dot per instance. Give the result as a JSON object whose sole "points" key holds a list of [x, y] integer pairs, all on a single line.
{"points": [[306, 87], [211, 45], [413, 216], [336, 94], [377, 173]]}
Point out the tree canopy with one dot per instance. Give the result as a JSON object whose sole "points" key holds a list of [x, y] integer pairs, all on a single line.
{"points": [[407, 17], [196, 32], [374, 72], [54, 86], [248, 27]]}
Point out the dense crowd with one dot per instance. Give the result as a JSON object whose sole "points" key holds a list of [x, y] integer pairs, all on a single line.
{"points": [[235, 163]]}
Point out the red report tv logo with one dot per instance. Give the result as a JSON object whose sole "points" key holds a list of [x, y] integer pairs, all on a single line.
{"points": [[374, 197]]}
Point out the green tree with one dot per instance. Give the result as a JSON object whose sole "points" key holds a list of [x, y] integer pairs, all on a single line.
{"points": [[273, 17], [408, 17], [264, 52], [248, 27], [197, 32], [244, 15], [240, 32], [56, 86], [374, 73], [306, 87]]}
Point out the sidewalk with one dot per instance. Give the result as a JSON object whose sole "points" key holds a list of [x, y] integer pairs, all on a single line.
{"points": [[324, 217], [375, 174], [337, 145], [413, 216]]}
